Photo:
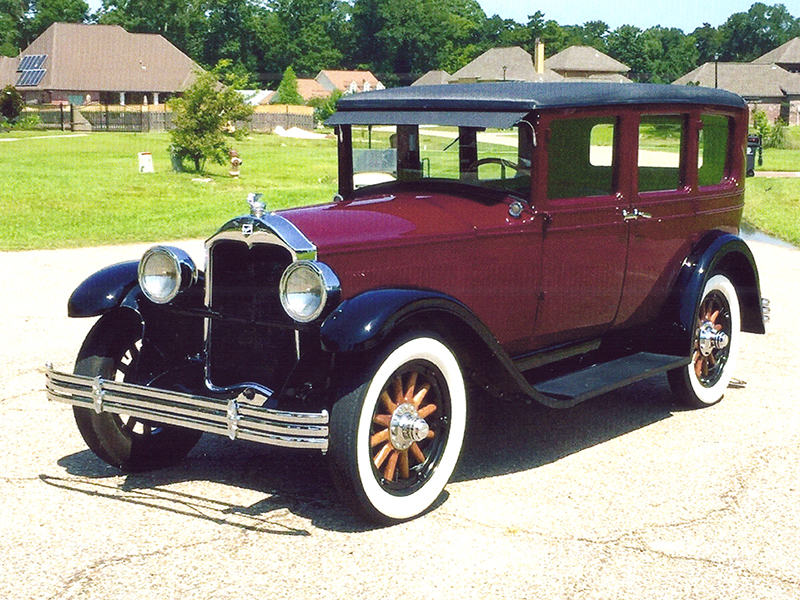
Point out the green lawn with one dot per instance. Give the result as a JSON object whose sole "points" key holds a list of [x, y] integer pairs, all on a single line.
{"points": [[65, 190]]}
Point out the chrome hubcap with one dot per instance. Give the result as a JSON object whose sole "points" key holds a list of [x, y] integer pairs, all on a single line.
{"points": [[407, 427], [709, 339]]}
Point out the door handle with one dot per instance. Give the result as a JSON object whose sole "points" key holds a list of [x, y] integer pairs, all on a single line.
{"points": [[635, 214]]}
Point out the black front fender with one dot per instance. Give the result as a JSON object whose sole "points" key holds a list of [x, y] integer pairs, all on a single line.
{"points": [[104, 290], [362, 322]]}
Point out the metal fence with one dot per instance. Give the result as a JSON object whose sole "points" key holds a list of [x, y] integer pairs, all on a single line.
{"points": [[157, 118]]}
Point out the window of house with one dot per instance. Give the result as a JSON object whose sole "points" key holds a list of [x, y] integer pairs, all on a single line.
{"points": [[580, 158], [660, 143]]}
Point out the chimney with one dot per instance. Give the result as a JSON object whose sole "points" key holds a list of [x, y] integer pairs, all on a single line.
{"points": [[538, 55]]}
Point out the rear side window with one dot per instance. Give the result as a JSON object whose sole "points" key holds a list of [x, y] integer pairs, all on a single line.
{"points": [[713, 150], [580, 158], [660, 143]]}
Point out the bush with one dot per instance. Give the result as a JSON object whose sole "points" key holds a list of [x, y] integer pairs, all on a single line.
{"points": [[11, 103], [325, 107], [772, 136]]}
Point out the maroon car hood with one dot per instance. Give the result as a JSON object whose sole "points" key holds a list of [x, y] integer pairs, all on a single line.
{"points": [[382, 220]]}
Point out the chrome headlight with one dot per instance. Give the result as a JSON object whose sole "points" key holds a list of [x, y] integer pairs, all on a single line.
{"points": [[307, 287], [165, 272]]}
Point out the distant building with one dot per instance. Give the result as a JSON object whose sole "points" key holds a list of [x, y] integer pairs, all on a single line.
{"points": [[78, 64], [503, 64], [348, 82], [585, 62], [766, 87], [786, 56], [311, 88], [433, 78]]}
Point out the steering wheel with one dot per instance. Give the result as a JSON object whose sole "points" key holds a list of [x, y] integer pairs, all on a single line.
{"points": [[494, 160]]}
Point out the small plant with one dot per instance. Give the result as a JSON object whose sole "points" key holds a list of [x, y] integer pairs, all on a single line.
{"points": [[29, 122]]}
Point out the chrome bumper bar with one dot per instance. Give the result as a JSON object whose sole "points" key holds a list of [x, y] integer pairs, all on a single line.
{"points": [[234, 418]]}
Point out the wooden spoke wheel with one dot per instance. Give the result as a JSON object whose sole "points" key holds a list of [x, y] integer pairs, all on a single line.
{"points": [[409, 428], [395, 438], [714, 346]]}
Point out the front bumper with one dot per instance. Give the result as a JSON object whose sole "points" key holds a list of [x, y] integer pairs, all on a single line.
{"points": [[235, 417]]}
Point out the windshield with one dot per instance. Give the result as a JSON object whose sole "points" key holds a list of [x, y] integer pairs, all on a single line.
{"points": [[490, 158]]}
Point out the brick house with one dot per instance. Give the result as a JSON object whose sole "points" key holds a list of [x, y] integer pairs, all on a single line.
{"points": [[78, 64]]}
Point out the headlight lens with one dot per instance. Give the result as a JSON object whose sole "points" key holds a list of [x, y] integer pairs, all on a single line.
{"points": [[306, 288], [165, 272]]}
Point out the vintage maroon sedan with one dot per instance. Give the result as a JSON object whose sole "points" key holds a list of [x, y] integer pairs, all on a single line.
{"points": [[546, 242]]}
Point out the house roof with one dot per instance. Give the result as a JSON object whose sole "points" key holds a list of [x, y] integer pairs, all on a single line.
{"points": [[311, 88], [8, 71], [787, 54], [343, 79], [584, 59], [504, 104], [502, 64], [108, 58], [433, 78], [746, 79]]}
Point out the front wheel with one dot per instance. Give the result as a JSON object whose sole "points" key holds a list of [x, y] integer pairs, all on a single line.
{"points": [[714, 349], [111, 351], [397, 434]]}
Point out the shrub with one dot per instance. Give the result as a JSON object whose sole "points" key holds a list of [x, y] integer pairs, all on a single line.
{"points": [[11, 103]]}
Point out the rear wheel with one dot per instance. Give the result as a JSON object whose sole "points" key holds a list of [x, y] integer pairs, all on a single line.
{"points": [[128, 443], [714, 349], [397, 434]]}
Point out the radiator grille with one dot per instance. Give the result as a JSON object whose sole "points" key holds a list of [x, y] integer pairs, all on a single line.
{"points": [[245, 282]]}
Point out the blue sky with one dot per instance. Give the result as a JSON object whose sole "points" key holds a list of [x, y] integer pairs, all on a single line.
{"points": [[683, 14]]}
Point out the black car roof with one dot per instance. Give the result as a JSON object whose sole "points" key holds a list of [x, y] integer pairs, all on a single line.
{"points": [[506, 103]]}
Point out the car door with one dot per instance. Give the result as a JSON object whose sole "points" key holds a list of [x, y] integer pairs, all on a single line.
{"points": [[660, 217], [584, 245]]}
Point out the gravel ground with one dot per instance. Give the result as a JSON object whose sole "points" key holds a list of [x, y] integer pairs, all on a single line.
{"points": [[625, 496]]}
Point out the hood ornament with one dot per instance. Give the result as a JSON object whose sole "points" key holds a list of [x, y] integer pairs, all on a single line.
{"points": [[257, 207]]}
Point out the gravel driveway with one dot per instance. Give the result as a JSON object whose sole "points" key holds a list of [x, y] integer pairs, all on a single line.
{"points": [[625, 496]]}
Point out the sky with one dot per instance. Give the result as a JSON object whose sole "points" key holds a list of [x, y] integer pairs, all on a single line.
{"points": [[683, 14]]}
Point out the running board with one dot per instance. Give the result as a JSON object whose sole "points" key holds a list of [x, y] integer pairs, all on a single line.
{"points": [[576, 387]]}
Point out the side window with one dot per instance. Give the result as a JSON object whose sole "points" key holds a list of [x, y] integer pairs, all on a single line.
{"points": [[713, 151], [660, 143], [580, 158]]}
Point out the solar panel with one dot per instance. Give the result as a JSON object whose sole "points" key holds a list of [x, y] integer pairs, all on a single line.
{"points": [[31, 77], [29, 70], [24, 65]]}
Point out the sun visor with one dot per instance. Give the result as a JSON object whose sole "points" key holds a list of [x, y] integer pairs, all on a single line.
{"points": [[495, 120]]}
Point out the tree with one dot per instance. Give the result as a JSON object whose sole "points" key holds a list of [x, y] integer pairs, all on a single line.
{"points": [[46, 12], [206, 116], [287, 90], [746, 36], [11, 14]]}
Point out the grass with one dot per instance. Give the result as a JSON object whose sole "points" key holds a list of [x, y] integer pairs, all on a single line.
{"points": [[772, 205], [784, 159], [67, 190], [64, 190]]}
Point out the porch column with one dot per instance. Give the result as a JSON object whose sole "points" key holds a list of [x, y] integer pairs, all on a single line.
{"points": [[122, 98], [155, 98]]}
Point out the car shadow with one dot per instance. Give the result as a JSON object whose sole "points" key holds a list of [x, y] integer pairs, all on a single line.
{"points": [[502, 437]]}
